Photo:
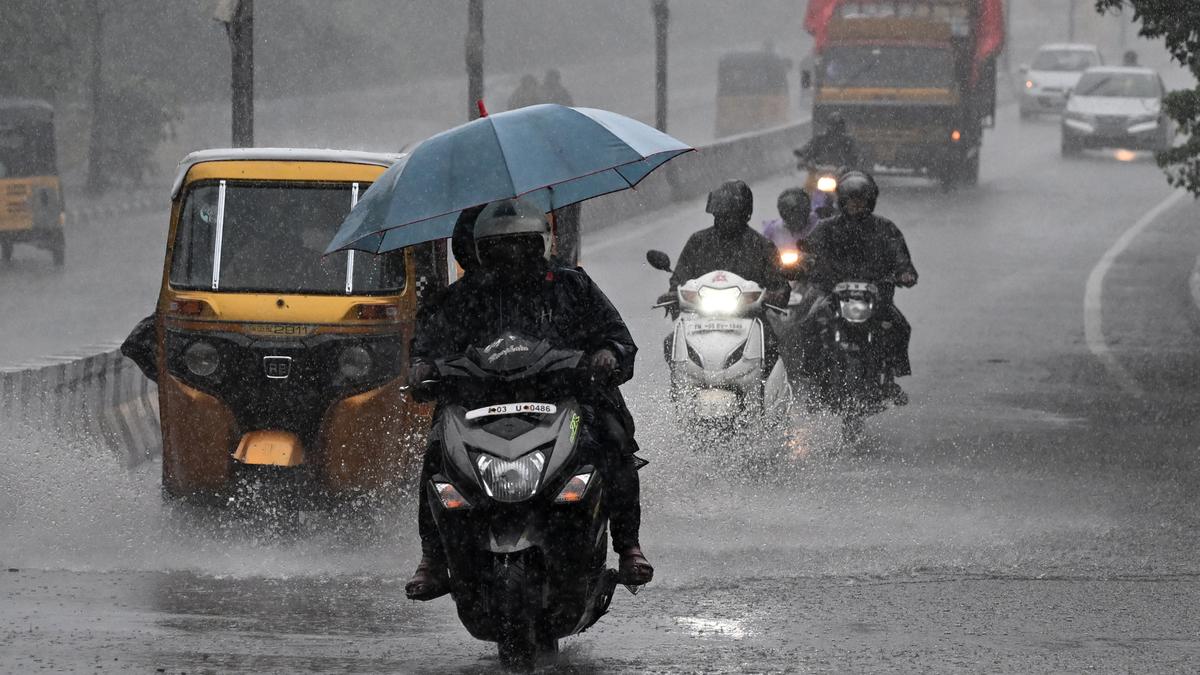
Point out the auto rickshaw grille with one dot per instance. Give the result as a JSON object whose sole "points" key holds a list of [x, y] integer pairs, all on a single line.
{"points": [[297, 402]]}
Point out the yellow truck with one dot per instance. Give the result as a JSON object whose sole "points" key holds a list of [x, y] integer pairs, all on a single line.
{"points": [[915, 80]]}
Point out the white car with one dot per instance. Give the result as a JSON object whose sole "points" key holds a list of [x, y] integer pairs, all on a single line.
{"points": [[1052, 75], [1117, 108]]}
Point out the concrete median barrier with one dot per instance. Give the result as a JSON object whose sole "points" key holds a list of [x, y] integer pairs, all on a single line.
{"points": [[103, 399]]}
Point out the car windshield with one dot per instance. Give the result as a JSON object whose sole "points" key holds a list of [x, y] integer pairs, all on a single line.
{"points": [[1120, 85], [26, 149], [909, 67], [272, 239], [1065, 60]]}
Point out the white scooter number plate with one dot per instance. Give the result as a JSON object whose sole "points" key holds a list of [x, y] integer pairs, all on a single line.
{"points": [[714, 327], [513, 409]]}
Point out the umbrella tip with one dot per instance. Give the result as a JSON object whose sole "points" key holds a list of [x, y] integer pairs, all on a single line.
{"points": [[482, 110]]}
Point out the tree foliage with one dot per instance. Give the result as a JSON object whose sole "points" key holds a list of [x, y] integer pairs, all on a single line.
{"points": [[1177, 22]]}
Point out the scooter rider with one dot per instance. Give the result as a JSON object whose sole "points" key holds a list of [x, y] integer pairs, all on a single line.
{"points": [[834, 147], [516, 289], [731, 244], [857, 244]]}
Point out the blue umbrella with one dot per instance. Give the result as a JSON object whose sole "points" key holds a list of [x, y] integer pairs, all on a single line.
{"points": [[551, 154]]}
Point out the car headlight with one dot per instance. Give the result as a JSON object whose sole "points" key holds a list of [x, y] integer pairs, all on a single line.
{"points": [[856, 311], [201, 358], [827, 184], [354, 362], [1080, 116], [510, 481], [719, 300]]}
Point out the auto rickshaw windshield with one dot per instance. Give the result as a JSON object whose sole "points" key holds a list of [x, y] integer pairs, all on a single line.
{"points": [[258, 237], [26, 149]]}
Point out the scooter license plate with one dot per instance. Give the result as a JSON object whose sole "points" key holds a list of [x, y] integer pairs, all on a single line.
{"points": [[513, 409], [714, 326]]}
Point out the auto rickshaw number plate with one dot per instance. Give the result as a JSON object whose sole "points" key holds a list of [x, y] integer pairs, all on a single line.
{"points": [[277, 367]]}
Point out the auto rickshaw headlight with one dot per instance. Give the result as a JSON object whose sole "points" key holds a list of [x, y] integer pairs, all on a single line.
{"points": [[354, 362], [202, 359]]}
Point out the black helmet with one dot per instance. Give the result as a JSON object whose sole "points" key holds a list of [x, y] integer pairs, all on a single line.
{"points": [[794, 205], [733, 200], [462, 242], [836, 123], [512, 235], [857, 185]]}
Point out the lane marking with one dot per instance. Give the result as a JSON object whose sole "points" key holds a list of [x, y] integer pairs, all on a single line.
{"points": [[1093, 299]]}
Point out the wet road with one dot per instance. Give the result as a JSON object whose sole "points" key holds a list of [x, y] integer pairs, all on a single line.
{"points": [[1026, 513]]}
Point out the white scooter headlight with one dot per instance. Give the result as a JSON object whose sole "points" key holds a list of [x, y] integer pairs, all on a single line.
{"points": [[827, 184], [511, 481], [719, 300], [856, 311]]}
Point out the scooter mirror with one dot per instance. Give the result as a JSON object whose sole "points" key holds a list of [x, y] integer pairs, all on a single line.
{"points": [[659, 260]]}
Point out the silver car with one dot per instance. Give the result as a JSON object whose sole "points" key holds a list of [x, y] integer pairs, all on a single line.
{"points": [[1052, 75], [1116, 108]]}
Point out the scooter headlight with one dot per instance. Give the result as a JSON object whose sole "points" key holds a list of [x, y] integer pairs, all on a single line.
{"points": [[202, 359], [719, 300], [789, 257], [354, 362], [827, 184], [856, 311], [510, 481]]}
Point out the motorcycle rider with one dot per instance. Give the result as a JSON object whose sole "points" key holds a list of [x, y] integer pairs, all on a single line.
{"points": [[833, 147], [857, 244], [515, 288], [795, 222]]}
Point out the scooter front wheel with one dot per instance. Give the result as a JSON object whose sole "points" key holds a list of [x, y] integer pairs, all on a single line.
{"points": [[521, 637]]}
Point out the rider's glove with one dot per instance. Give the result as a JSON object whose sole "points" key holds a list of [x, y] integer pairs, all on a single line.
{"points": [[420, 372], [603, 364]]}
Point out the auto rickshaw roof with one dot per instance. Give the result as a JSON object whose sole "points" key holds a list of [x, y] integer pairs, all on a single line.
{"points": [[384, 159], [28, 108]]}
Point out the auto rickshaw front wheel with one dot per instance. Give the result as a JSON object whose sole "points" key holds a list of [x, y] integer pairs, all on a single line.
{"points": [[57, 243]]}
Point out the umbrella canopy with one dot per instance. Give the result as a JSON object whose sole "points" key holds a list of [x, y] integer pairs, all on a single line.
{"points": [[550, 154]]}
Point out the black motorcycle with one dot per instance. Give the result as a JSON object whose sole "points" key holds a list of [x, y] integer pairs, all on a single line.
{"points": [[519, 501], [855, 373]]}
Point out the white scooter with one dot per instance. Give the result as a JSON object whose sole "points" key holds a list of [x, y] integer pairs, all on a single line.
{"points": [[717, 352]]}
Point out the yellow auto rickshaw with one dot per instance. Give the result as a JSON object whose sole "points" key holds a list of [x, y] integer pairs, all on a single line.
{"points": [[31, 211], [269, 353], [752, 92]]}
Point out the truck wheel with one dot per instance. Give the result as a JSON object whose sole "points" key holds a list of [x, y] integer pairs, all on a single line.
{"points": [[6, 251], [970, 170], [515, 592]]}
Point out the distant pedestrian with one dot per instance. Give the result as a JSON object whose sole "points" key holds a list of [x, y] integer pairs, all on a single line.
{"points": [[553, 90], [1131, 58], [527, 93]]}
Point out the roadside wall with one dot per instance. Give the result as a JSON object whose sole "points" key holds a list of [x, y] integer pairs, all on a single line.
{"points": [[104, 399]]}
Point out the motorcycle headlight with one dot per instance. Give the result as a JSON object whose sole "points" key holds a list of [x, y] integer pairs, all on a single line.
{"points": [[202, 359], [856, 311], [827, 184], [354, 362], [789, 257], [719, 300], [511, 481]]}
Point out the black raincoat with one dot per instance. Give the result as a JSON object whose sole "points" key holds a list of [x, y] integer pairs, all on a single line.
{"points": [[871, 249], [830, 148], [738, 249]]}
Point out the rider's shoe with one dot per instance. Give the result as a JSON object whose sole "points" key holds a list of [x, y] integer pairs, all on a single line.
{"points": [[893, 392], [431, 580], [634, 569]]}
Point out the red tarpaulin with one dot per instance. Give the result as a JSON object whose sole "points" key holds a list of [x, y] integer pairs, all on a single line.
{"points": [[989, 33]]}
